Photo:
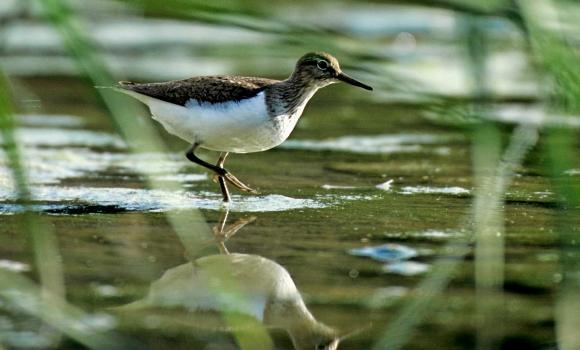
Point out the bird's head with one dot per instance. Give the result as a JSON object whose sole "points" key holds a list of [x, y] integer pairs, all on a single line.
{"points": [[321, 69], [316, 337]]}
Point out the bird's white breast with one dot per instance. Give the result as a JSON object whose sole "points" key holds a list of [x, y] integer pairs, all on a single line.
{"points": [[236, 126], [248, 284]]}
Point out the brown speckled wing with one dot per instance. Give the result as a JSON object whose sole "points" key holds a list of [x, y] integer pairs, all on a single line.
{"points": [[210, 89]]}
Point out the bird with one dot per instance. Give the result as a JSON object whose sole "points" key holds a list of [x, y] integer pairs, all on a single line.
{"points": [[246, 284], [236, 114], [253, 287]]}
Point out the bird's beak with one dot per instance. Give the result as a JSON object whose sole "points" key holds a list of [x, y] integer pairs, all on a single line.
{"points": [[343, 77]]}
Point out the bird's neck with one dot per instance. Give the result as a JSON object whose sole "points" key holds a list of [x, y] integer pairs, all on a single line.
{"points": [[289, 97], [304, 330], [288, 313], [291, 314]]}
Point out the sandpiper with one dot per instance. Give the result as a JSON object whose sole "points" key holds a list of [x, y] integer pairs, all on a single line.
{"points": [[234, 114], [213, 285], [258, 290]]}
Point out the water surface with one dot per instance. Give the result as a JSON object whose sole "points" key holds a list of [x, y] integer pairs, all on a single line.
{"points": [[378, 174]]}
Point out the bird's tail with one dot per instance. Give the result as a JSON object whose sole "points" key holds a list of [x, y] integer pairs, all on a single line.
{"points": [[126, 88], [120, 85]]}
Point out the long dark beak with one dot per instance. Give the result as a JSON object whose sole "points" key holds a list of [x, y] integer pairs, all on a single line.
{"points": [[343, 77]]}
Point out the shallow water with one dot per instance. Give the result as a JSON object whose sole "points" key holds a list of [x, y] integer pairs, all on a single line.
{"points": [[360, 173], [114, 241]]}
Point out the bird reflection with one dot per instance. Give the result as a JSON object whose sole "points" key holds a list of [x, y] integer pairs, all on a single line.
{"points": [[245, 284]]}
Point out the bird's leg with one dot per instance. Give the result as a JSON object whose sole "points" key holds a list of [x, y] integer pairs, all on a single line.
{"points": [[223, 232], [218, 230], [220, 179], [219, 170], [230, 177]]}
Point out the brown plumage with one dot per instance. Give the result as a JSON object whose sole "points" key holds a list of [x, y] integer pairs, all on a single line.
{"points": [[224, 88], [210, 89]]}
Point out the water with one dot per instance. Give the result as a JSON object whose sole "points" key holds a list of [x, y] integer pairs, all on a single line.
{"points": [[360, 170]]}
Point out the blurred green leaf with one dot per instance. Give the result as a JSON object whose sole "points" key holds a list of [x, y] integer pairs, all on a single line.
{"points": [[189, 226]]}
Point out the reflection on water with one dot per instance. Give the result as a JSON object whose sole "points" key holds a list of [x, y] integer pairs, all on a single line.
{"points": [[245, 284], [399, 143]]}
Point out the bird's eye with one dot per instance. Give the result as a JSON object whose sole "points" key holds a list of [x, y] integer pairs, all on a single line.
{"points": [[322, 65]]}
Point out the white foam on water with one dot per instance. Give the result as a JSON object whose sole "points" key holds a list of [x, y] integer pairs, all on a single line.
{"points": [[54, 165], [433, 190], [51, 165], [142, 163], [59, 199], [14, 266], [182, 178], [274, 202], [337, 187], [572, 172], [428, 234], [395, 143], [385, 186], [436, 234], [52, 156]]}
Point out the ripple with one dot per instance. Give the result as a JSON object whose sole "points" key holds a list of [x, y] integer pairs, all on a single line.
{"points": [[337, 187], [396, 143], [385, 186], [14, 266], [45, 166], [82, 200], [434, 190], [51, 165], [66, 137], [429, 234]]}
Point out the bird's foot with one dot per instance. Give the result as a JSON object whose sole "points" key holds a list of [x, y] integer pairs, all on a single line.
{"points": [[234, 181]]}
